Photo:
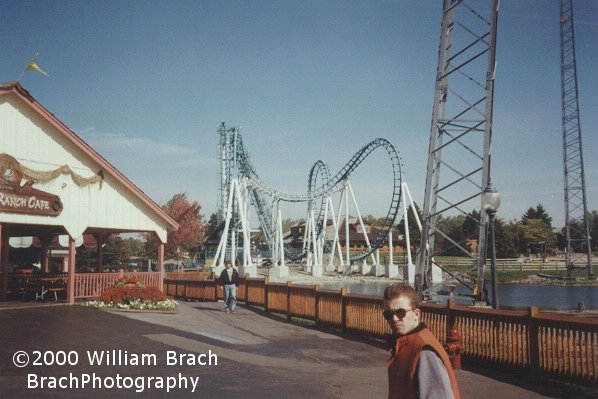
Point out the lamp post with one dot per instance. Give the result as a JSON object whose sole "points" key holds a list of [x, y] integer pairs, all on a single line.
{"points": [[490, 204], [178, 255]]}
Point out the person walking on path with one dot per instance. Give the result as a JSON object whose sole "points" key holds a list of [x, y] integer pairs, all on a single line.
{"points": [[418, 367], [229, 279]]}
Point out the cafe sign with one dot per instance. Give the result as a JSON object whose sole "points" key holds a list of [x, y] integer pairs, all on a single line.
{"points": [[17, 198]]}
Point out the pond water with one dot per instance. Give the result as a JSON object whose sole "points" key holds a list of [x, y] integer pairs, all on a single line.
{"points": [[516, 296]]}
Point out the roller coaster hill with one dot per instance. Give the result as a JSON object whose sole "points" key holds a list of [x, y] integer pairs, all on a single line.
{"points": [[325, 226]]}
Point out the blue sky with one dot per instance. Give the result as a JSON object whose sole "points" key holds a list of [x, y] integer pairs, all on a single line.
{"points": [[146, 83]]}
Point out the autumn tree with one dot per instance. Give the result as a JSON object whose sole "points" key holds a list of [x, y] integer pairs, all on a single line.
{"points": [[191, 233]]}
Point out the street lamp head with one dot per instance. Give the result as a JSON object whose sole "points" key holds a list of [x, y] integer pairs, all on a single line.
{"points": [[490, 199]]}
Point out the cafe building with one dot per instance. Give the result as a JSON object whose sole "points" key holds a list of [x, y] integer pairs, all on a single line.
{"points": [[55, 188]]}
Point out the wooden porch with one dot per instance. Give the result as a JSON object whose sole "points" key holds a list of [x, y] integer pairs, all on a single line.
{"points": [[54, 287]]}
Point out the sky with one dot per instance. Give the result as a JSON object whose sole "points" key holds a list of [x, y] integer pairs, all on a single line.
{"points": [[146, 84]]}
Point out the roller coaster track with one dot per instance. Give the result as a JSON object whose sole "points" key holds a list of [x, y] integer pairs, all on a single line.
{"points": [[318, 169], [320, 185]]}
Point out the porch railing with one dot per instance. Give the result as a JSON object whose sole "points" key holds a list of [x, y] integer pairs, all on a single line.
{"points": [[91, 285], [561, 347]]}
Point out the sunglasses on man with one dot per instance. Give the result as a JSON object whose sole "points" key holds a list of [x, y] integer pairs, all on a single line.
{"points": [[400, 313]]}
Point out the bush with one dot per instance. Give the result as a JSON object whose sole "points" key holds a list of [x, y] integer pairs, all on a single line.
{"points": [[124, 294], [129, 280], [131, 293]]}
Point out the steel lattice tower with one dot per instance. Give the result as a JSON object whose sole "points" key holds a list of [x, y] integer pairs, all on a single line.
{"points": [[227, 152], [224, 170], [578, 251], [461, 131]]}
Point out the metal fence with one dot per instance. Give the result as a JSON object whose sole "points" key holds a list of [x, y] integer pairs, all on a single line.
{"points": [[511, 264]]}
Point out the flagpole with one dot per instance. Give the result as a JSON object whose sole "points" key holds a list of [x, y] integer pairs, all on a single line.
{"points": [[21, 75]]}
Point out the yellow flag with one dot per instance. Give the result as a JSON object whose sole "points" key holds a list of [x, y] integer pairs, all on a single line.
{"points": [[32, 66]]}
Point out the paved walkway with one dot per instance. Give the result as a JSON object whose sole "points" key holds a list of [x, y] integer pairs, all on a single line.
{"points": [[257, 356]]}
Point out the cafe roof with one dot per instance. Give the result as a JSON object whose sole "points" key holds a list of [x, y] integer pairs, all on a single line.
{"points": [[38, 139]]}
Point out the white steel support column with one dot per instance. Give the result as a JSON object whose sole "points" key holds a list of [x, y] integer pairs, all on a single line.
{"points": [[279, 269], [316, 269], [409, 274], [219, 258], [336, 242], [347, 240], [280, 259], [409, 271], [247, 260], [391, 270], [238, 198], [306, 232], [274, 230], [365, 234], [322, 237], [248, 268], [306, 242]]}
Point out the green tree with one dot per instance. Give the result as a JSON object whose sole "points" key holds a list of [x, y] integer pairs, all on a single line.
{"points": [[505, 239], [457, 245], [212, 223], [537, 213], [86, 259], [593, 222], [116, 251], [471, 225], [537, 235], [577, 232], [136, 246], [369, 219]]}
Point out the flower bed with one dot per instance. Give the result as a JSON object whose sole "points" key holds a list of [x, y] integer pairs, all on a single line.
{"points": [[131, 293]]}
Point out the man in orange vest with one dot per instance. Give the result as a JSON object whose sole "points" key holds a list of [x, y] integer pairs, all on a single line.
{"points": [[419, 367]]}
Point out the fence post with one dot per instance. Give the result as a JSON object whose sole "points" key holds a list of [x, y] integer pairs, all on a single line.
{"points": [[317, 303], [247, 280], [532, 341], [216, 284], [266, 281], [344, 309], [289, 285]]}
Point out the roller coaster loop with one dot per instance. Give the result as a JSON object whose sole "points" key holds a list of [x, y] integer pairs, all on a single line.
{"points": [[321, 185]]}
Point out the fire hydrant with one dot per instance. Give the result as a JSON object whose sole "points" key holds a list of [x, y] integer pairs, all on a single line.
{"points": [[454, 347]]}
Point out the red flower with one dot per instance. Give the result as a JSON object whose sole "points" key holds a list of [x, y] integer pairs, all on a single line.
{"points": [[126, 293]]}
